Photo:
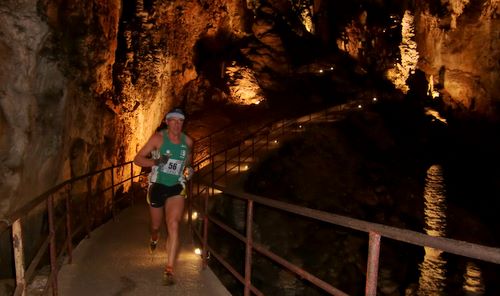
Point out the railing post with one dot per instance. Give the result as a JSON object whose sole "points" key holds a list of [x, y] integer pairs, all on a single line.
{"points": [[69, 232], [205, 230], [212, 181], [132, 196], [89, 206], [17, 244], [210, 145], [113, 191], [239, 157], [197, 181], [52, 243], [248, 250], [189, 200], [225, 164], [253, 149], [372, 268]]}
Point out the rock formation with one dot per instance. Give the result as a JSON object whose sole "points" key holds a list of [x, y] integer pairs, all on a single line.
{"points": [[459, 44], [85, 83]]}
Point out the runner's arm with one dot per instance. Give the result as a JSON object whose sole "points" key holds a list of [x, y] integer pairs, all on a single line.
{"points": [[142, 159]]}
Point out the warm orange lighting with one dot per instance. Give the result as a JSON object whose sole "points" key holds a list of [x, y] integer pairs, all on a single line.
{"points": [[433, 268], [409, 54], [307, 21], [473, 280], [243, 86], [435, 114], [197, 251]]}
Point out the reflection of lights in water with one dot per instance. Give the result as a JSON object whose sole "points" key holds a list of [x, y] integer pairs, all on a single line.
{"points": [[432, 269], [473, 283]]}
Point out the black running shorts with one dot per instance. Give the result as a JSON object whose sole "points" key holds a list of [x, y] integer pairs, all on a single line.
{"points": [[158, 193]]}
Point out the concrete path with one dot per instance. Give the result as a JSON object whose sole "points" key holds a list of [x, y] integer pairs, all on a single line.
{"points": [[115, 260]]}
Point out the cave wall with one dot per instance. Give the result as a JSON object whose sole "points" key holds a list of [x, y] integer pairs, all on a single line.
{"points": [[459, 46], [85, 83]]}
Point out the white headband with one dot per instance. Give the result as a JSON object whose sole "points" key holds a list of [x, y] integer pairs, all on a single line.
{"points": [[176, 113]]}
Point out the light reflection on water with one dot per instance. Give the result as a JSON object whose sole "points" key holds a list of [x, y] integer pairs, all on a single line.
{"points": [[473, 282], [433, 268]]}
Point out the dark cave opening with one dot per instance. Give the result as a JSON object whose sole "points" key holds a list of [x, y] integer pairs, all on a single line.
{"points": [[213, 53]]}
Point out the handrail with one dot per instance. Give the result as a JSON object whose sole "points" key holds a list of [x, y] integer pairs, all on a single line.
{"points": [[61, 191], [205, 152], [207, 183], [40, 198], [457, 247], [14, 220]]}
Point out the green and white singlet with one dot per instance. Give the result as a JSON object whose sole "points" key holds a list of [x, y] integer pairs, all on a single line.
{"points": [[169, 173]]}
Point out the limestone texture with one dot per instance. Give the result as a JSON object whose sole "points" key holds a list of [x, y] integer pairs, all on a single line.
{"points": [[85, 83]]}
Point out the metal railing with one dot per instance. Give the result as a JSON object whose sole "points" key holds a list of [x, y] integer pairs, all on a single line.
{"points": [[214, 165], [57, 205], [225, 162], [64, 227]]}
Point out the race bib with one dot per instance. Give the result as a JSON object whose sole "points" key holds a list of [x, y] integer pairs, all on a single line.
{"points": [[172, 167]]}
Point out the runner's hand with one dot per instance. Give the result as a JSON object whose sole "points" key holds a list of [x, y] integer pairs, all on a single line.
{"points": [[162, 160], [188, 173]]}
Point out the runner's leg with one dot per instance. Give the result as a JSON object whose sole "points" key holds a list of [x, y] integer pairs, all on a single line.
{"points": [[174, 208], [156, 220]]}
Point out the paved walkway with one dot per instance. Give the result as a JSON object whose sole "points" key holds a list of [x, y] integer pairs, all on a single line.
{"points": [[115, 260]]}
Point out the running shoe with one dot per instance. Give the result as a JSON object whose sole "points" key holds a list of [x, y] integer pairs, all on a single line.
{"points": [[152, 245], [168, 278]]}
